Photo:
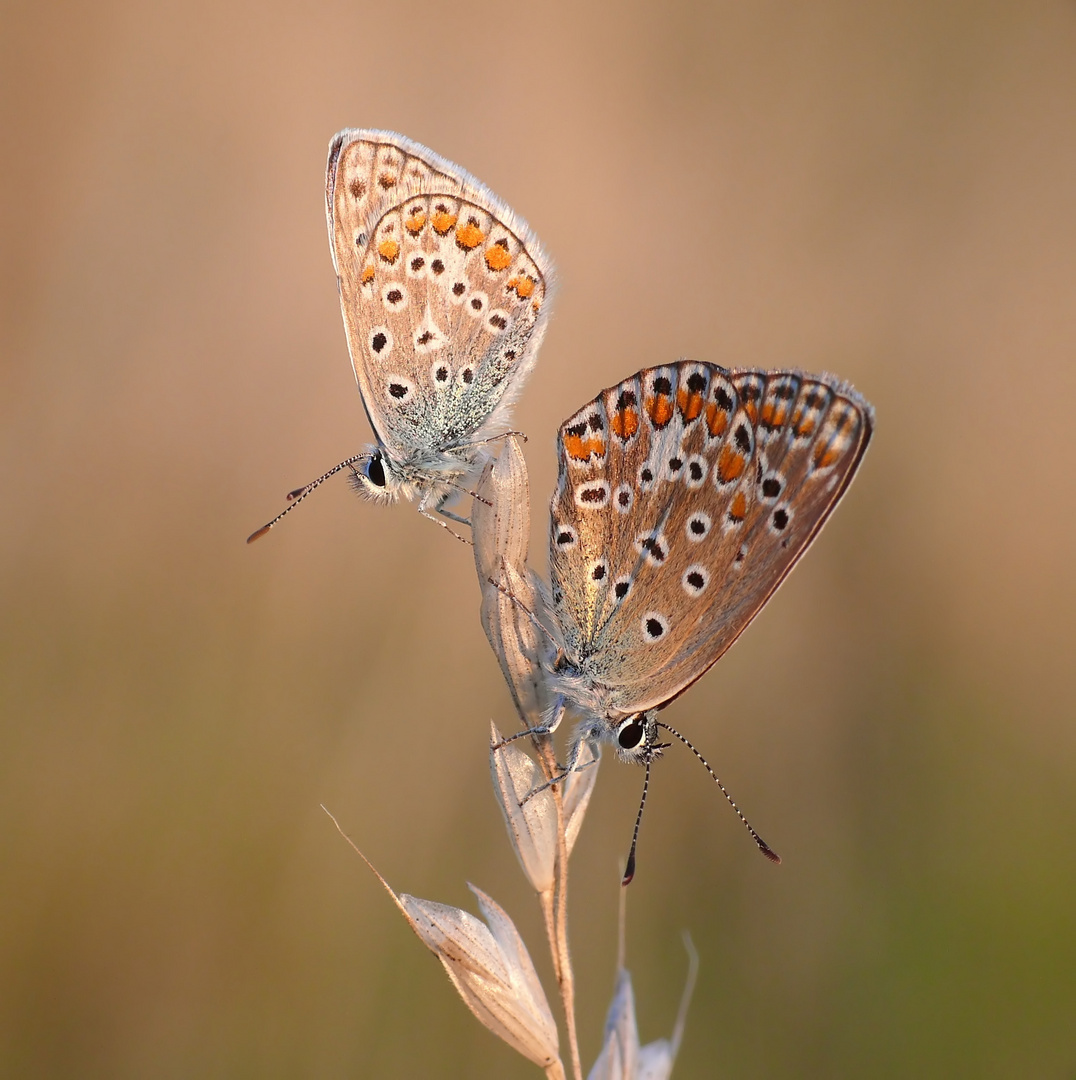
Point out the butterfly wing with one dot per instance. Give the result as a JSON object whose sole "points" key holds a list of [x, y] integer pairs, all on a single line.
{"points": [[442, 288], [686, 494]]}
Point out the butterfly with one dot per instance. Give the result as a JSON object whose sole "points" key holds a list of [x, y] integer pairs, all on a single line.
{"points": [[445, 293], [684, 496]]}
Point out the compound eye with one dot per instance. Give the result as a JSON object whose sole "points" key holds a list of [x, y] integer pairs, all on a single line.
{"points": [[631, 732], [375, 471]]}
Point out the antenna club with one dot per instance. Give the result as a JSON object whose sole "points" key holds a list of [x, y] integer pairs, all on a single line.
{"points": [[629, 871], [295, 497]]}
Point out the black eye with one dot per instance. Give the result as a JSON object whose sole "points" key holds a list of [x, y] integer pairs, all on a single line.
{"points": [[375, 471], [630, 734]]}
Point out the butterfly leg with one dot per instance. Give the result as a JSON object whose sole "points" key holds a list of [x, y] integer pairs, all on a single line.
{"points": [[552, 720], [452, 517], [464, 491], [424, 511], [573, 766], [497, 438], [440, 509]]}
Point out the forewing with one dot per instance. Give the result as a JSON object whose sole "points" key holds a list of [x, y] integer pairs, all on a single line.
{"points": [[442, 288], [693, 493]]}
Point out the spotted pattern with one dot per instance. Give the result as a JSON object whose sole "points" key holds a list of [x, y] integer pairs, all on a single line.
{"points": [[394, 296], [717, 481], [690, 396], [564, 536], [698, 526], [659, 400], [381, 341], [674, 467], [624, 418], [653, 547], [695, 472], [737, 510], [771, 486], [593, 495], [695, 579], [777, 401], [780, 519], [400, 389], [583, 437], [750, 390], [498, 256], [445, 264], [720, 406]]}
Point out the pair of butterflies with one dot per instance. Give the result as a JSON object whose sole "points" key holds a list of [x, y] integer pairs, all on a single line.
{"points": [[685, 494]]}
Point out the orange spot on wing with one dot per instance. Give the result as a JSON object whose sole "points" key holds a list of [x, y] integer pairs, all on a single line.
{"points": [[584, 447], [469, 236], [690, 404], [803, 424], [368, 275], [625, 423], [414, 223], [826, 455], [716, 419], [522, 285], [751, 408], [738, 509], [774, 414], [730, 464], [575, 448], [443, 221], [660, 409], [497, 257], [388, 250]]}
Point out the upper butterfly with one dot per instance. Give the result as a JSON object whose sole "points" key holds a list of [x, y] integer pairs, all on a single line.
{"points": [[444, 294], [684, 497]]}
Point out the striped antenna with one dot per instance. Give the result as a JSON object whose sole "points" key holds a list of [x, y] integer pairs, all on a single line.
{"points": [[762, 845], [295, 497]]}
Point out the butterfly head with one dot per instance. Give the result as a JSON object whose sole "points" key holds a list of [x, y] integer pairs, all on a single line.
{"points": [[376, 477], [636, 738]]}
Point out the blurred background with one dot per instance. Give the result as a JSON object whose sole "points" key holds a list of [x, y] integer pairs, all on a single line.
{"points": [[886, 191]]}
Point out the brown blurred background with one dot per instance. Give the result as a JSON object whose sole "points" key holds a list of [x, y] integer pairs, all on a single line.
{"points": [[887, 191]]}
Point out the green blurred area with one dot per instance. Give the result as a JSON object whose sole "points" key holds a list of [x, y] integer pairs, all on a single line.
{"points": [[887, 191]]}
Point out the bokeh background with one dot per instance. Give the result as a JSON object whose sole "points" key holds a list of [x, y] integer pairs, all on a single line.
{"points": [[883, 190]]}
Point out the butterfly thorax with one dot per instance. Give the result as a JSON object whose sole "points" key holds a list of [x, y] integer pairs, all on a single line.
{"points": [[430, 475], [633, 735], [572, 681]]}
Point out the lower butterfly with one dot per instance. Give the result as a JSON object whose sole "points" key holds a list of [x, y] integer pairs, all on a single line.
{"points": [[684, 496]]}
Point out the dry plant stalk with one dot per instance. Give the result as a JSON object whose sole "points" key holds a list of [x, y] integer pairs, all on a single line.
{"points": [[543, 810]]}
